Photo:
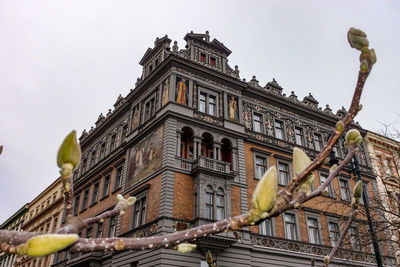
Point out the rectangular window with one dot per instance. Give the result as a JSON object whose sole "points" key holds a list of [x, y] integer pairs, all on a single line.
{"points": [[278, 125], [336, 150], [112, 226], [202, 102], [76, 204], [212, 61], [203, 57], [313, 231], [118, 176], [106, 186], [354, 238], [211, 105], [260, 166], [95, 192], [329, 189], [220, 199], [290, 226], [139, 212], [334, 232], [283, 173], [84, 162], [345, 189], [88, 233], [318, 141], [265, 228], [99, 232], [299, 136], [85, 199], [257, 122]]}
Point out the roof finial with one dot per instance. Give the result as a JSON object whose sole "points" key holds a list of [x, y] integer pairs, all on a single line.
{"points": [[207, 36]]}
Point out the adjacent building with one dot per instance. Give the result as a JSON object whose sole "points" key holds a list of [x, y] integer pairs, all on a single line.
{"points": [[14, 223], [191, 141], [44, 215], [385, 157]]}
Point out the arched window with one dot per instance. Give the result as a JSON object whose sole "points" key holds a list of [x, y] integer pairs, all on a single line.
{"points": [[209, 202], [186, 143], [220, 204], [207, 145]]}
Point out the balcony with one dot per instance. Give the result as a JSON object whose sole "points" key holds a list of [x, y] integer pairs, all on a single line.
{"points": [[204, 163]]}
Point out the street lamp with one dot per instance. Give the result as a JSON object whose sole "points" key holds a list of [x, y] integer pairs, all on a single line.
{"points": [[355, 169]]}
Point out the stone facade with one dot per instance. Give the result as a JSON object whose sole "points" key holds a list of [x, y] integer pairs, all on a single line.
{"points": [[385, 157], [190, 142], [44, 215], [14, 223]]}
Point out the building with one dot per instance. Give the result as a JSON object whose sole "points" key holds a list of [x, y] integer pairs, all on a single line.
{"points": [[44, 215], [385, 157], [14, 223], [190, 142]]}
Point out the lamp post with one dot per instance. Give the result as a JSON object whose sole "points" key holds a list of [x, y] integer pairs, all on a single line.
{"points": [[355, 169]]}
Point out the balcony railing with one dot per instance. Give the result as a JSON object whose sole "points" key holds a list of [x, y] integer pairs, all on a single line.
{"points": [[204, 162], [315, 250]]}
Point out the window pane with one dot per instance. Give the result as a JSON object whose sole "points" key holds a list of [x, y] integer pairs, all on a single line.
{"points": [[220, 213], [283, 173], [279, 129], [265, 228], [260, 167], [290, 226], [257, 122], [208, 212], [208, 198], [299, 135], [333, 232]]}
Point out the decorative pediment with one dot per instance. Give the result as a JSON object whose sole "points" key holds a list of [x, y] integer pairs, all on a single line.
{"points": [[341, 113], [310, 101]]}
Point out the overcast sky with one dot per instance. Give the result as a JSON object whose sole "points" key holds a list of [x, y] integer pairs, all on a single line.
{"points": [[62, 63]]}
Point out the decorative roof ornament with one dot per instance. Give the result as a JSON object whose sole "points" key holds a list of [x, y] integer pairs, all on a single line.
{"points": [[175, 47], [341, 113], [328, 110], [84, 134], [310, 101], [254, 81], [91, 130], [100, 119], [274, 87], [109, 113], [120, 100], [293, 97]]}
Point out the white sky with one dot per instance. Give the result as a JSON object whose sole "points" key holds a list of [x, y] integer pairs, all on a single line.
{"points": [[64, 62]]}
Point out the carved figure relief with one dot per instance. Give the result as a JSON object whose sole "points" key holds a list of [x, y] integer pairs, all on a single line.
{"points": [[233, 108], [146, 157], [182, 90], [247, 119], [165, 92], [135, 118]]}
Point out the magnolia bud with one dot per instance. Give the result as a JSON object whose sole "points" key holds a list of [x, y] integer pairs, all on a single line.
{"points": [[69, 151], [185, 247], [209, 258], [357, 38], [327, 260], [43, 245], [123, 204], [353, 137], [339, 126], [265, 193], [358, 190]]}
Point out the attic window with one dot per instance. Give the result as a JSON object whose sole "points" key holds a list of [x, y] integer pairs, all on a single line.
{"points": [[150, 68], [212, 61], [156, 62], [203, 57]]}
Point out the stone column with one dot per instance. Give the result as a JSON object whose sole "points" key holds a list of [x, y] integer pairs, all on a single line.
{"points": [[178, 143], [215, 151], [218, 151], [234, 159], [196, 142]]}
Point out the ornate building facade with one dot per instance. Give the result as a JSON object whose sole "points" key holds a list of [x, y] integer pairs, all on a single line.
{"points": [[14, 223], [44, 215], [385, 157], [191, 142]]}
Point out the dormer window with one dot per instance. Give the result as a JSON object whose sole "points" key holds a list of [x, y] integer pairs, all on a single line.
{"points": [[203, 57], [150, 68], [212, 61], [156, 62]]}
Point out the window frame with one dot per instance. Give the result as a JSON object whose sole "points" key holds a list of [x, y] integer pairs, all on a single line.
{"points": [[99, 229], [265, 157], [260, 121], [337, 222], [106, 191], [119, 180], [89, 229], [209, 190], [280, 161], [329, 188], [301, 130], [315, 217], [217, 206], [208, 94], [112, 226], [282, 130], [77, 201], [357, 246], [85, 199], [142, 210], [296, 225], [263, 227], [349, 194], [95, 193], [318, 141]]}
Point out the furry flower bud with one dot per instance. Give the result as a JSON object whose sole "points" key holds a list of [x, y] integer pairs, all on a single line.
{"points": [[358, 190], [69, 151], [43, 245], [123, 203], [185, 247], [353, 137], [265, 194], [357, 38]]}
